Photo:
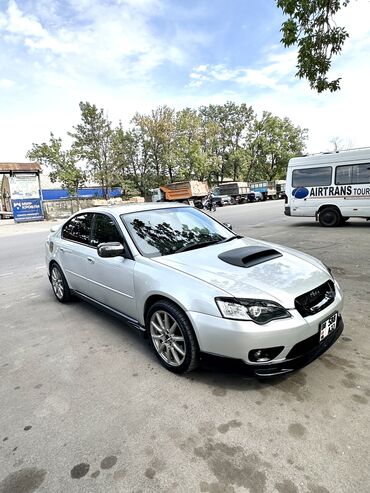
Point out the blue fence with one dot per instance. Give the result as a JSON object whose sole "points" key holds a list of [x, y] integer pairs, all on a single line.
{"points": [[83, 193]]}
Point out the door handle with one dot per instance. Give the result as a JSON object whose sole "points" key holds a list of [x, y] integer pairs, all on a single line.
{"points": [[90, 260]]}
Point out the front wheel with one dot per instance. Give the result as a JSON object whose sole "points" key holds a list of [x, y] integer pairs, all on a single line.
{"points": [[330, 217], [59, 284], [172, 337]]}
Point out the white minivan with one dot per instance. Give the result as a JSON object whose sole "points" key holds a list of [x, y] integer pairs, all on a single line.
{"points": [[331, 186]]}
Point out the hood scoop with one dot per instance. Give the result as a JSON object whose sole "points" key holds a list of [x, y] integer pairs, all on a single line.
{"points": [[249, 256]]}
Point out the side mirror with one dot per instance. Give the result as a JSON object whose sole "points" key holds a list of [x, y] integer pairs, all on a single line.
{"points": [[228, 226], [54, 228], [111, 249]]}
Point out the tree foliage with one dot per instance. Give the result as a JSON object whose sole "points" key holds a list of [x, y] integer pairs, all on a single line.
{"points": [[312, 28], [92, 142], [62, 163], [213, 143], [276, 141]]}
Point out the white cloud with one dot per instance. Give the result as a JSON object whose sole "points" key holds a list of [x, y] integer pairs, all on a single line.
{"points": [[6, 83], [273, 74], [110, 56], [16, 22]]}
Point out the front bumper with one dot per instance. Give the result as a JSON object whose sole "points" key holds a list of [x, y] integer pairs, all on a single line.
{"points": [[297, 337], [313, 351]]}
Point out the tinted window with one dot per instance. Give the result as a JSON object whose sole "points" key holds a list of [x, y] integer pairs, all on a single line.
{"points": [[166, 231], [78, 229], [312, 177], [353, 174], [104, 230]]}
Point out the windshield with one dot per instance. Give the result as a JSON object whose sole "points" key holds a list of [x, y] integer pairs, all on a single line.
{"points": [[166, 231]]}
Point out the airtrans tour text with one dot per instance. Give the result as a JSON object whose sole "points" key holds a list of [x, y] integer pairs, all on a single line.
{"points": [[347, 190]]}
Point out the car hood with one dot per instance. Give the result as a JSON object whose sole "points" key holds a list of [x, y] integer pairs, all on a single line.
{"points": [[281, 279]]}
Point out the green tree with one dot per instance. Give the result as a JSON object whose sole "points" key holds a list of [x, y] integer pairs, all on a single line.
{"points": [[276, 141], [311, 26], [234, 124], [156, 134], [191, 157], [130, 161], [62, 163], [92, 142]]}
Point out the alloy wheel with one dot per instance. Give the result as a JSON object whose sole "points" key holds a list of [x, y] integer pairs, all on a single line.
{"points": [[167, 337], [57, 282]]}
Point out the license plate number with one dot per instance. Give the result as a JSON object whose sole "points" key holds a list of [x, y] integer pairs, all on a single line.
{"points": [[328, 325]]}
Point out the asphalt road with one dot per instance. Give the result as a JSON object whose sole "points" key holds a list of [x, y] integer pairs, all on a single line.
{"points": [[85, 407]]}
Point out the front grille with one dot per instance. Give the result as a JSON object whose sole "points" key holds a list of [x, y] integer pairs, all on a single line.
{"points": [[315, 300]]}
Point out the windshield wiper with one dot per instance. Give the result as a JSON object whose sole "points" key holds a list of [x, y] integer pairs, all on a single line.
{"points": [[235, 237], [193, 246]]}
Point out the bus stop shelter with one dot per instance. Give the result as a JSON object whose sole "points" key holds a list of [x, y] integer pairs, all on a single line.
{"points": [[20, 192]]}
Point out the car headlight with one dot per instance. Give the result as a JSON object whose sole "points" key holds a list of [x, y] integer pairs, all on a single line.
{"points": [[259, 311]]}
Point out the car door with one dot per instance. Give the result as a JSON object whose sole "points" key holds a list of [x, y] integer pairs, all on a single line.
{"points": [[110, 280], [74, 247]]}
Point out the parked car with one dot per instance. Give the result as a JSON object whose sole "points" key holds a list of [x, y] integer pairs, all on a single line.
{"points": [[193, 286], [221, 200], [255, 197]]}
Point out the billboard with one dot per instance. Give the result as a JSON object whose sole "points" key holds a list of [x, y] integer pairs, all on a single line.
{"points": [[25, 197]]}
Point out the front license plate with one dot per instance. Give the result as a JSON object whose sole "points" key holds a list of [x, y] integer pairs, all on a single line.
{"points": [[328, 325]]}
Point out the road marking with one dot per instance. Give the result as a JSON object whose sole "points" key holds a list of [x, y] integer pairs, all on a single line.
{"points": [[7, 274], [40, 267]]}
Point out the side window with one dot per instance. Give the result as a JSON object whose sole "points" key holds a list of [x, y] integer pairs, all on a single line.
{"points": [[353, 174], [312, 177], [78, 229], [104, 230], [343, 175], [361, 173]]}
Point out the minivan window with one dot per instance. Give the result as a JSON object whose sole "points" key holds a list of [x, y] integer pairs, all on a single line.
{"points": [[104, 230], [312, 177], [352, 174], [78, 229]]}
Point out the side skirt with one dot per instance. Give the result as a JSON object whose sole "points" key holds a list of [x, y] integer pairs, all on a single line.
{"points": [[125, 318]]}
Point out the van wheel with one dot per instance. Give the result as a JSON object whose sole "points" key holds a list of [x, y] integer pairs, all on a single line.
{"points": [[330, 217]]}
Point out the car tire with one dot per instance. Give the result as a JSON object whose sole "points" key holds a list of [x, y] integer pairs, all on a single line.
{"points": [[330, 217], [172, 337], [59, 284]]}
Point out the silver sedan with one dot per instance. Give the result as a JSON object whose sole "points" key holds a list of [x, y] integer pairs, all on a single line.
{"points": [[193, 286]]}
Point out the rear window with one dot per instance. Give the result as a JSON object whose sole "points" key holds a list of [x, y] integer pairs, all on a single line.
{"points": [[312, 177]]}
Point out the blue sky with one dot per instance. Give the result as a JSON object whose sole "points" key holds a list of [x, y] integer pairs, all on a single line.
{"points": [[133, 55]]}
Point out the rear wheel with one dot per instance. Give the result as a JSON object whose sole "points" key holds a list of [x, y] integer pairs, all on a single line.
{"points": [[172, 337], [330, 217], [59, 284]]}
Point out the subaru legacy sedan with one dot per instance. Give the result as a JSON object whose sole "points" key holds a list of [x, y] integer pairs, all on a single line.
{"points": [[194, 287]]}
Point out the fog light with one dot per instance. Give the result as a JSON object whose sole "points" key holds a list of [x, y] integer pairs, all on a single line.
{"points": [[264, 355]]}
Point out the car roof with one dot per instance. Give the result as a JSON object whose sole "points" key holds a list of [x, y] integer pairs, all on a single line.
{"points": [[128, 208]]}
